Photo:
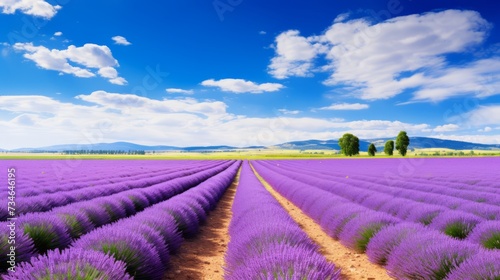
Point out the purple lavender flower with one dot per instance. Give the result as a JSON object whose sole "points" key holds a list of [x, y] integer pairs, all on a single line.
{"points": [[166, 226], [187, 221], [282, 261], [482, 266], [151, 235], [141, 258], [46, 230], [388, 238], [429, 255], [77, 223], [457, 224], [71, 264], [24, 247], [425, 214], [358, 231], [487, 234]]}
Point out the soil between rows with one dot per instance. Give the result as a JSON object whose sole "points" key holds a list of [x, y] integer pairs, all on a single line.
{"points": [[202, 257], [353, 264]]}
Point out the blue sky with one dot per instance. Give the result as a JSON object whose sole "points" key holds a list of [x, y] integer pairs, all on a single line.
{"points": [[239, 72]]}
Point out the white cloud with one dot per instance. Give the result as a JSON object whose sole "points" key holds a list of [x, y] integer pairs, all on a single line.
{"points": [[38, 8], [120, 40], [86, 58], [58, 33], [381, 60], [446, 128], [486, 129], [294, 55], [262, 32], [289, 112], [346, 106], [241, 86], [34, 121], [179, 90], [482, 116]]}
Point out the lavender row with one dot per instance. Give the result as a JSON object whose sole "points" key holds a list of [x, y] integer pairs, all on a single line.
{"points": [[400, 202], [425, 254], [140, 245], [46, 202], [40, 175], [419, 189], [97, 173], [476, 173], [265, 241], [40, 232], [455, 223]]}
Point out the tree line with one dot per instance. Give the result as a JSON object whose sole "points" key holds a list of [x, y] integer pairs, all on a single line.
{"points": [[349, 145]]}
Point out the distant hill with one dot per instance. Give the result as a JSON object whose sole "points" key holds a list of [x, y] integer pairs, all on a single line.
{"points": [[428, 142], [415, 143], [117, 146], [126, 146], [318, 145]]}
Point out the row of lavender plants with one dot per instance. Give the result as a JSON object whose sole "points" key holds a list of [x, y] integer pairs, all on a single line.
{"points": [[439, 212], [36, 181], [137, 247], [45, 202], [409, 250], [39, 232], [471, 178], [265, 241]]}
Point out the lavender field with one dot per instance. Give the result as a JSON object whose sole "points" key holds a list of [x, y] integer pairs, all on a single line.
{"points": [[102, 219]]}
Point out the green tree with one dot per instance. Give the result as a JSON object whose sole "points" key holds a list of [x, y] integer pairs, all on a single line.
{"points": [[372, 150], [389, 148], [402, 142], [349, 144]]}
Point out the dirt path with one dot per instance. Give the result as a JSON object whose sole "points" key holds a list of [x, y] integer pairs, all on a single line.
{"points": [[202, 257], [353, 264]]}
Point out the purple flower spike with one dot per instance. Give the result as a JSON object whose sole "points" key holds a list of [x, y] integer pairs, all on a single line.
{"points": [[24, 248], [77, 223], [484, 265], [430, 255], [487, 234], [358, 232], [167, 228], [141, 258], [456, 224], [387, 239], [286, 262], [46, 230], [151, 235], [71, 264]]}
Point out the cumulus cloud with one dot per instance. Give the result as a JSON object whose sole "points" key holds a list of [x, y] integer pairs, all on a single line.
{"points": [[346, 106], [482, 116], [486, 129], [120, 40], [294, 55], [179, 90], [446, 128], [58, 33], [38, 8], [107, 117], [77, 61], [381, 60], [241, 86]]}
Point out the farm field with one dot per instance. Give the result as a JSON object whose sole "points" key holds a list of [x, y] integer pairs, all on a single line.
{"points": [[413, 218]]}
